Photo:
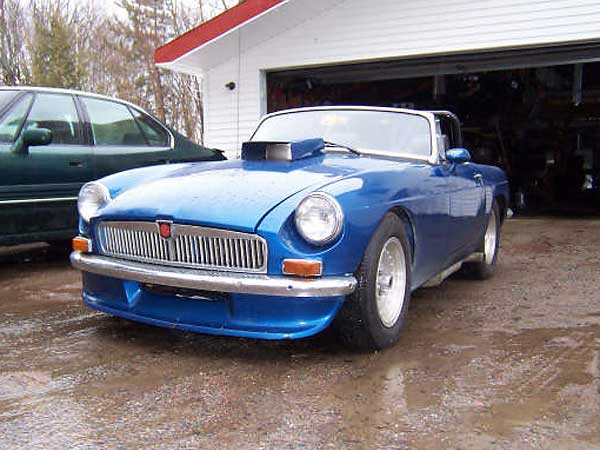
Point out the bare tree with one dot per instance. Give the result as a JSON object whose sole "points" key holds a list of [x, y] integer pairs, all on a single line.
{"points": [[185, 92], [69, 44], [13, 54]]}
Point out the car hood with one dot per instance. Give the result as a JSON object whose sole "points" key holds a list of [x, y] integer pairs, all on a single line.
{"points": [[230, 194]]}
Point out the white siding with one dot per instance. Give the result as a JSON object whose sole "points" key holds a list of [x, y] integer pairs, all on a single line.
{"points": [[304, 33]]}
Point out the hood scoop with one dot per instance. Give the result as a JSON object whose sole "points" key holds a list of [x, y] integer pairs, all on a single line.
{"points": [[282, 151]]}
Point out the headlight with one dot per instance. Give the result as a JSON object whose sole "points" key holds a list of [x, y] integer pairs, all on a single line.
{"points": [[92, 197], [319, 218]]}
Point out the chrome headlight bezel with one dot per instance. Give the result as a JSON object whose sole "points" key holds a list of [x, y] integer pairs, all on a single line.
{"points": [[319, 199], [92, 197]]}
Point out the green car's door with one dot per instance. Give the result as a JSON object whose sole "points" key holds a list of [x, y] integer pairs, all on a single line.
{"points": [[39, 184], [124, 137]]}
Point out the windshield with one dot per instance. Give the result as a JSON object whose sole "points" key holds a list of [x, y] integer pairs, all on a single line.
{"points": [[394, 132]]}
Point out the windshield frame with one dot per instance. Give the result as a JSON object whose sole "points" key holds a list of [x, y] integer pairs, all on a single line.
{"points": [[433, 158]]}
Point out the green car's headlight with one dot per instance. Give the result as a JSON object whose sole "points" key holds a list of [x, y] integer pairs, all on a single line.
{"points": [[92, 197], [319, 218]]}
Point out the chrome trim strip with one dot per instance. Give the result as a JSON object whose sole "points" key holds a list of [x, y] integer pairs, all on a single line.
{"points": [[38, 200], [49, 90], [440, 277], [213, 280], [45, 90]]}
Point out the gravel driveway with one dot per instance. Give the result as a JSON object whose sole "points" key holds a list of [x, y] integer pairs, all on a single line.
{"points": [[512, 362]]}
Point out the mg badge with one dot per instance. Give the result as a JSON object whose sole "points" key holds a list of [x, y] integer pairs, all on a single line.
{"points": [[164, 229]]}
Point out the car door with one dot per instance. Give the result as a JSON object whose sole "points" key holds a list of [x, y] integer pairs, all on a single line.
{"points": [[39, 185], [467, 206], [124, 137], [465, 188]]}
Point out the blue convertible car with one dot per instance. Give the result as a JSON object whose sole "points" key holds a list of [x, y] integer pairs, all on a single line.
{"points": [[332, 215]]}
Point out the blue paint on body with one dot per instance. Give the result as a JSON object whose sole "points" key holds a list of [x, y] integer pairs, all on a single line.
{"points": [[446, 210], [265, 317]]}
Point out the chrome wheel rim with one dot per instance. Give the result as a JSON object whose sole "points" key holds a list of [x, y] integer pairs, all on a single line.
{"points": [[390, 282], [489, 247]]}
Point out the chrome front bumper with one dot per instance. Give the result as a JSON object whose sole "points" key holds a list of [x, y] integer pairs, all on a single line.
{"points": [[206, 280]]}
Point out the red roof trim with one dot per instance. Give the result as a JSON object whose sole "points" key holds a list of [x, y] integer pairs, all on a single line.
{"points": [[212, 29]]}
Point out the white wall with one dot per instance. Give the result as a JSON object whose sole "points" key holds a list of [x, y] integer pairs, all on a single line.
{"points": [[318, 32]]}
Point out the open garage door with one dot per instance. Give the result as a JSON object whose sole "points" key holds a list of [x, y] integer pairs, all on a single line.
{"points": [[535, 112], [449, 64]]}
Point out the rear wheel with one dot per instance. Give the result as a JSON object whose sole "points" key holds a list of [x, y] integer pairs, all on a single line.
{"points": [[373, 316], [484, 269]]}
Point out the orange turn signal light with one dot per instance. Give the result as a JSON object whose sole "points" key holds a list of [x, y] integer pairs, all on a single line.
{"points": [[302, 267], [82, 244]]}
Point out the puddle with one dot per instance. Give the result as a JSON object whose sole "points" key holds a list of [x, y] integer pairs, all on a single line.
{"points": [[23, 384]]}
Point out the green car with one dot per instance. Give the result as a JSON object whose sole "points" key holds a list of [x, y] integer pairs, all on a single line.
{"points": [[52, 141]]}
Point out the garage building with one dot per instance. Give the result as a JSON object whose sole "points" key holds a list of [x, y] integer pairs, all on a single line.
{"points": [[523, 75]]}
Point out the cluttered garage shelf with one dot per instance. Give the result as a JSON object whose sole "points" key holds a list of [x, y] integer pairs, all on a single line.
{"points": [[541, 124]]}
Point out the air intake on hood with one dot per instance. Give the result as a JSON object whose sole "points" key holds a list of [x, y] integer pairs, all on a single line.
{"points": [[282, 151]]}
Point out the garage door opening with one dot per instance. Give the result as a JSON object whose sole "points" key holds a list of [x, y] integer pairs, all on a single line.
{"points": [[537, 116]]}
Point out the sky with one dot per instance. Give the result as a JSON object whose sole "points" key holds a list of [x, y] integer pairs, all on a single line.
{"points": [[211, 8], [111, 6]]}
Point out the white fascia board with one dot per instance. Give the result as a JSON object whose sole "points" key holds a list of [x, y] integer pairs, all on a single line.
{"points": [[227, 33], [182, 68]]}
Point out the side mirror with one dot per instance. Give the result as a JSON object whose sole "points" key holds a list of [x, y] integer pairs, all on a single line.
{"points": [[458, 155], [32, 138]]}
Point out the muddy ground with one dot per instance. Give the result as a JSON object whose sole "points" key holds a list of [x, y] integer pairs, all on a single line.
{"points": [[509, 363]]}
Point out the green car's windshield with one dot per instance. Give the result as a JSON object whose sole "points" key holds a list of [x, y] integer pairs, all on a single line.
{"points": [[363, 130]]}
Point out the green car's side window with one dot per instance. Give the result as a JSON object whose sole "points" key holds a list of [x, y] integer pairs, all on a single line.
{"points": [[12, 121], [156, 135], [112, 123], [57, 113]]}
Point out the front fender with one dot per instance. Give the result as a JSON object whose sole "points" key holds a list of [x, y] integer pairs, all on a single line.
{"points": [[121, 182], [364, 199]]}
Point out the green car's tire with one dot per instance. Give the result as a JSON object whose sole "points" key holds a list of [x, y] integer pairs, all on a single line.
{"points": [[60, 243]]}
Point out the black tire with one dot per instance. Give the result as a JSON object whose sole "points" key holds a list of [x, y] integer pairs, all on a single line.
{"points": [[358, 323], [485, 269]]}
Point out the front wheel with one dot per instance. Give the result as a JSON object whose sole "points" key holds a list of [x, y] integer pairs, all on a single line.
{"points": [[373, 316]]}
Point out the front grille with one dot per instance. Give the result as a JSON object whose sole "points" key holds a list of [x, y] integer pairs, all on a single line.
{"points": [[188, 246]]}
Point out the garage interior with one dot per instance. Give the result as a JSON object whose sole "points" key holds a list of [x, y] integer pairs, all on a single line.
{"points": [[533, 112]]}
